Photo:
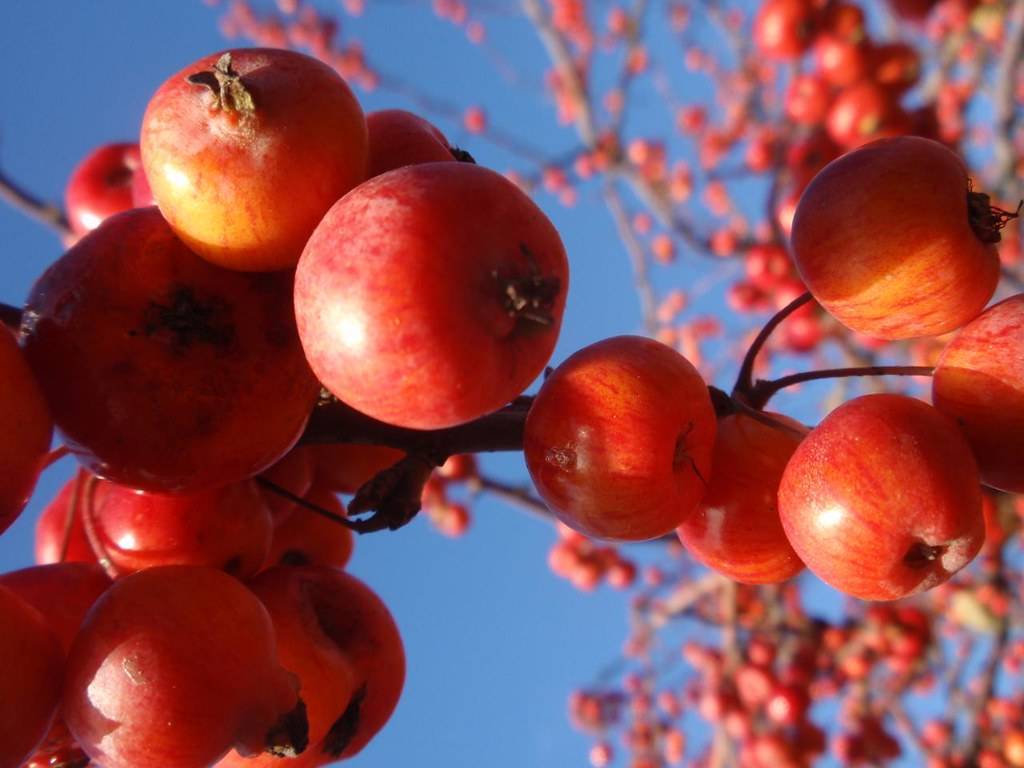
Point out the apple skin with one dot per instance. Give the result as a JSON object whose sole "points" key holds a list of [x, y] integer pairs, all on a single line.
{"points": [[26, 430], [340, 641], [619, 439], [884, 483], [398, 138], [402, 294], [101, 185], [246, 192], [736, 529], [979, 380], [881, 237]]}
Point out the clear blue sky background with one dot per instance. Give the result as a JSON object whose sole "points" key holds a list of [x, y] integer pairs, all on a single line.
{"points": [[495, 642]]}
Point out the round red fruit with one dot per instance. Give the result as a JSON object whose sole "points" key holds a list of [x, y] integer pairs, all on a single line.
{"points": [[736, 529], [399, 138], [246, 150], [163, 371], [101, 185], [618, 441], [882, 499], [174, 666], [893, 243], [979, 381], [431, 295]]}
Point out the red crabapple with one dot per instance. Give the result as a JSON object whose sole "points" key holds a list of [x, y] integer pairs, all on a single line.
{"points": [[173, 666], [888, 269], [618, 441], [979, 380], [882, 499], [101, 185], [340, 640], [736, 529], [245, 151], [431, 295], [163, 371]]}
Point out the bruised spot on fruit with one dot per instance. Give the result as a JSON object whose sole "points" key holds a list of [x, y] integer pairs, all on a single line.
{"points": [[233, 566], [563, 458], [343, 730], [289, 736], [120, 176], [186, 320], [921, 555]]}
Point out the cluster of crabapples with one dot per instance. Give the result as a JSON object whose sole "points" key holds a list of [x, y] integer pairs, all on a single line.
{"points": [[267, 244]]}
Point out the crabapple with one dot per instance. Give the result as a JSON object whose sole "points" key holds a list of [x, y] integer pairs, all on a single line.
{"points": [[398, 138], [340, 640], [233, 135], [307, 538], [736, 529], [443, 280], [173, 666], [882, 499], [227, 527], [979, 380], [891, 241], [163, 371], [101, 185], [619, 439]]}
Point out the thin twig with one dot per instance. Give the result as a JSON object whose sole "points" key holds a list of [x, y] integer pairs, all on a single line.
{"points": [[45, 213]]}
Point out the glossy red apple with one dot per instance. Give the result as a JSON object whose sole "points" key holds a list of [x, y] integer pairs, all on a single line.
{"points": [[618, 441], [979, 381], [736, 528], [163, 371], [887, 269], [882, 499], [101, 185], [783, 29], [398, 138], [173, 666], [245, 151], [340, 640], [227, 527], [431, 295]]}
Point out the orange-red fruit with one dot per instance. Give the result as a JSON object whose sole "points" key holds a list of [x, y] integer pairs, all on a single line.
{"points": [[736, 529], [399, 138], [431, 295], [174, 666], [882, 499], [979, 381], [883, 238], [31, 667], [305, 537], [244, 185], [783, 28], [339, 639], [163, 371], [25, 430], [618, 441]]}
